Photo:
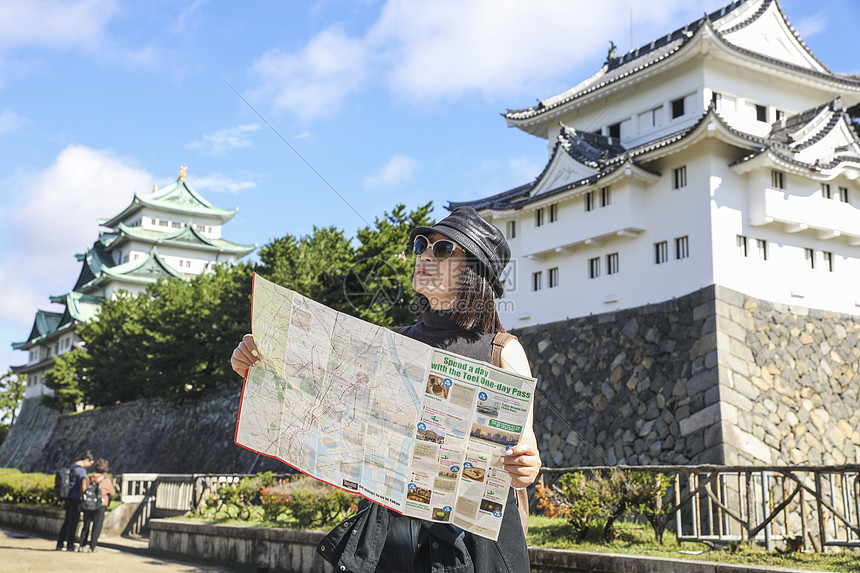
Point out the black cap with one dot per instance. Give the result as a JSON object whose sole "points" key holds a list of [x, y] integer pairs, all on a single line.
{"points": [[480, 238]]}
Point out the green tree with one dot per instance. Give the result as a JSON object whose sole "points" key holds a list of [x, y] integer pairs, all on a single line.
{"points": [[312, 265], [64, 378], [175, 338], [380, 282], [11, 397]]}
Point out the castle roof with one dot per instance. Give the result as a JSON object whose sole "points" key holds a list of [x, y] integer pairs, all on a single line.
{"points": [[724, 26], [141, 272], [45, 323], [187, 236], [601, 157], [178, 198]]}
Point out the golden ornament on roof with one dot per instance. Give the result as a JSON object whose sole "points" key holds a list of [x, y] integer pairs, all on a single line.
{"points": [[182, 171]]}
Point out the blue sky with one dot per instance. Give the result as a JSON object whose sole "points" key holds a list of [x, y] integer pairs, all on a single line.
{"points": [[390, 100]]}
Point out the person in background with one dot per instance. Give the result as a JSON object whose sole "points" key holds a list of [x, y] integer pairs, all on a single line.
{"points": [[95, 518], [78, 472]]}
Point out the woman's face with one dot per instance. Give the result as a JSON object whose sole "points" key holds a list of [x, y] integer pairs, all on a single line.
{"points": [[439, 280]]}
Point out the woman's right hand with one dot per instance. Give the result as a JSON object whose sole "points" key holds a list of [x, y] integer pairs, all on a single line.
{"points": [[244, 356]]}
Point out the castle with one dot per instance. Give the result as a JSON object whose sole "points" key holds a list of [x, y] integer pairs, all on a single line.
{"points": [[172, 232], [686, 264]]}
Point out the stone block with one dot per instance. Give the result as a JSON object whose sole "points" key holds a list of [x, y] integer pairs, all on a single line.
{"points": [[741, 350], [729, 297], [703, 345], [699, 420], [731, 328], [751, 445], [735, 399]]}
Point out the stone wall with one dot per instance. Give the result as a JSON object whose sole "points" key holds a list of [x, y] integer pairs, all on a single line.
{"points": [[711, 377], [193, 434], [789, 383]]}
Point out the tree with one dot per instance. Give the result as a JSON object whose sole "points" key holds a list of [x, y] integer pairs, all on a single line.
{"points": [[11, 396], [379, 284], [313, 265], [175, 338], [65, 380]]}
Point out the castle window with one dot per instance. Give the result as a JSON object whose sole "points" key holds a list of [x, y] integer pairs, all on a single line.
{"points": [[825, 191], [614, 130], [553, 277], [715, 99], [163, 223], [612, 264], [605, 196], [779, 114], [539, 217], [174, 224], [761, 113], [512, 229], [777, 179], [828, 260], [682, 247], [594, 268], [537, 278], [761, 247], [589, 201], [679, 177], [661, 252], [742, 246], [677, 108], [553, 213], [809, 254], [843, 194]]}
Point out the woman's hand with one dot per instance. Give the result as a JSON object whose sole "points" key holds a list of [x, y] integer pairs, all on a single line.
{"points": [[244, 356], [522, 462]]}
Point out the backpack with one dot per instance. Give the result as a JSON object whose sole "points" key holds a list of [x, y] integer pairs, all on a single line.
{"points": [[91, 499], [62, 483]]}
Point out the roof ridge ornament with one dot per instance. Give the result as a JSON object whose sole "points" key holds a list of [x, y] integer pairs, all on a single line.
{"points": [[182, 171]]}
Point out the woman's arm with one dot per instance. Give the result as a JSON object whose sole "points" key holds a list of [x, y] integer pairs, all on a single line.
{"points": [[523, 461]]}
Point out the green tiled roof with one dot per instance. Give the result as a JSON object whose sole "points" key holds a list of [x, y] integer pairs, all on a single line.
{"points": [[182, 237], [147, 270], [177, 198], [45, 323]]}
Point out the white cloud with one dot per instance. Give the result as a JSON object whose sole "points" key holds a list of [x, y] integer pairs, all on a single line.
{"points": [[313, 82], [448, 49], [397, 171], [224, 140], [56, 218], [54, 23], [811, 25], [10, 121], [219, 183]]}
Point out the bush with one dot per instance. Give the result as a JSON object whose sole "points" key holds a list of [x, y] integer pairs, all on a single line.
{"points": [[604, 497], [238, 499], [31, 489], [310, 502]]}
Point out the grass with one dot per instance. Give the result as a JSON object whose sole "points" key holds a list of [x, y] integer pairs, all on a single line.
{"points": [[638, 539]]}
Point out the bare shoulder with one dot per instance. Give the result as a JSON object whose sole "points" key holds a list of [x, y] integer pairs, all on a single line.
{"points": [[514, 358]]}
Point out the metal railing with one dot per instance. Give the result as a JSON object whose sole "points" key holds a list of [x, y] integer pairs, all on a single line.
{"points": [[817, 506], [813, 505]]}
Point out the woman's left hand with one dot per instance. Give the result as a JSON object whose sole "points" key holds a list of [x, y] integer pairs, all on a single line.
{"points": [[522, 462]]}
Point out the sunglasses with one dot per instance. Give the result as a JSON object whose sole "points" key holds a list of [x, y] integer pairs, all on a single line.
{"points": [[441, 249]]}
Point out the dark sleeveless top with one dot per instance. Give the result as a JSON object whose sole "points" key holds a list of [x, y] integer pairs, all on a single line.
{"points": [[381, 540]]}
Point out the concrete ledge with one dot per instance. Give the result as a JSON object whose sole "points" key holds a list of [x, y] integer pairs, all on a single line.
{"points": [[291, 550], [35, 519], [561, 561]]}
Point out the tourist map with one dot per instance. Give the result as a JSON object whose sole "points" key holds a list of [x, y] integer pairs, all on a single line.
{"points": [[419, 430]]}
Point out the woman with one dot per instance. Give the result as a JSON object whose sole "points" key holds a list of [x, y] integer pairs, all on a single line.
{"points": [[457, 276], [96, 517]]}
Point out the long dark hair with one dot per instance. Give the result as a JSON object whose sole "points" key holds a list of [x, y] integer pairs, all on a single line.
{"points": [[474, 306]]}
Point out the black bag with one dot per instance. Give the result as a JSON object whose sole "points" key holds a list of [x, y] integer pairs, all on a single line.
{"points": [[91, 499], [62, 483]]}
